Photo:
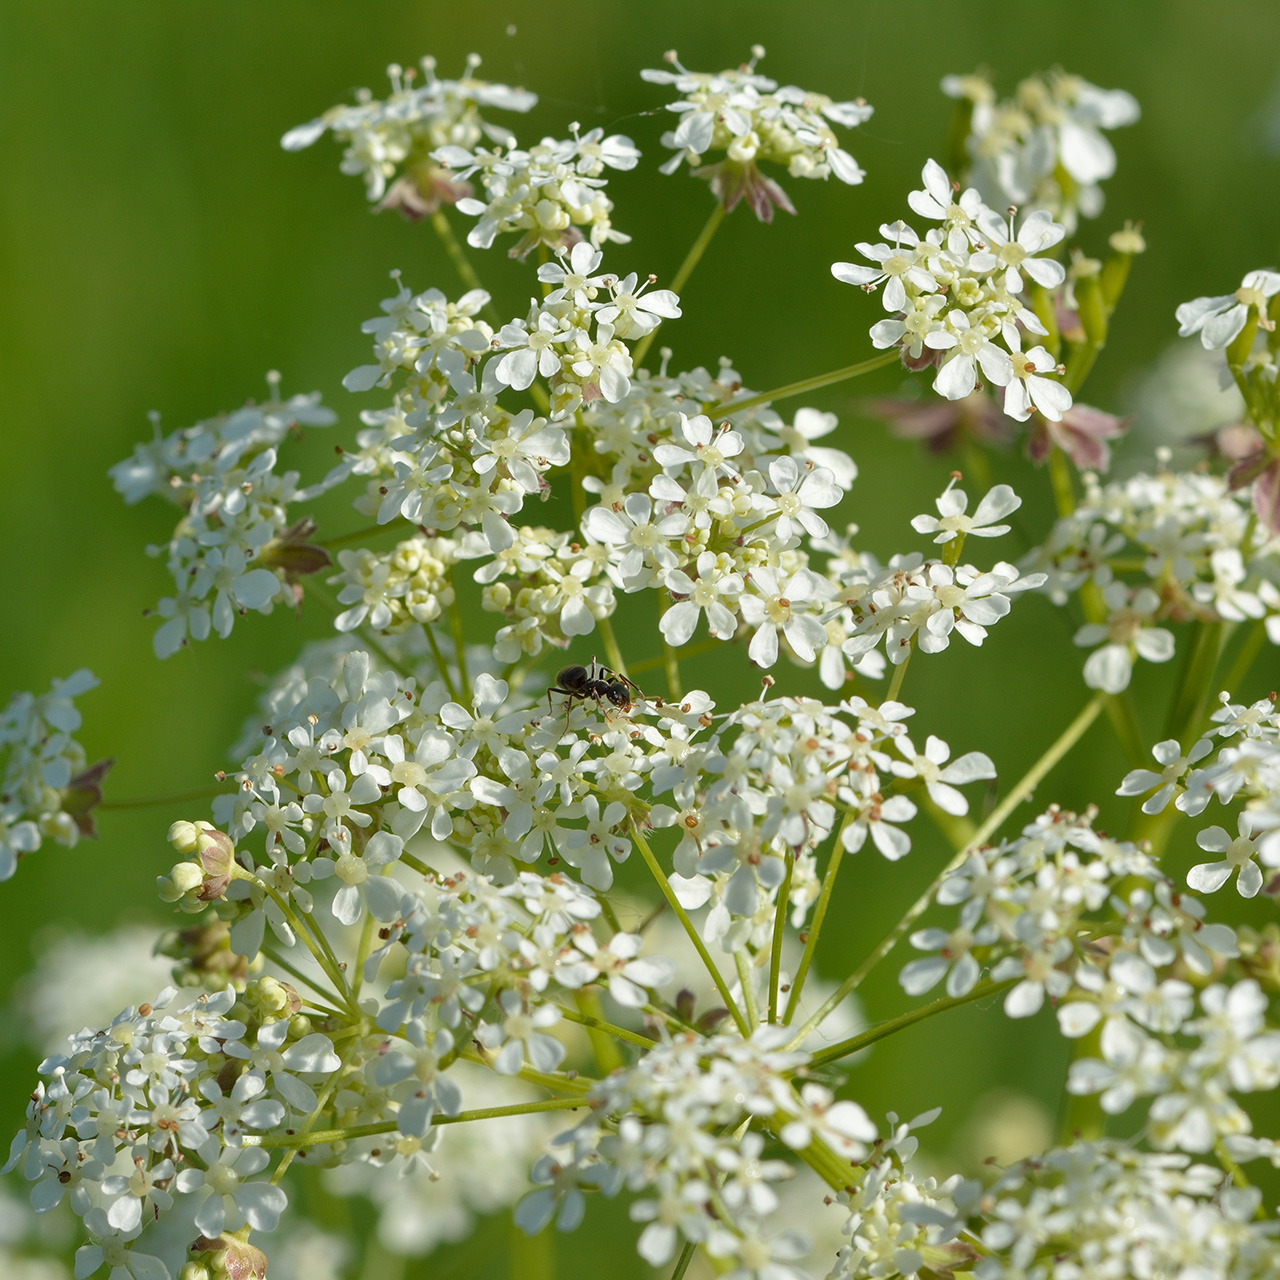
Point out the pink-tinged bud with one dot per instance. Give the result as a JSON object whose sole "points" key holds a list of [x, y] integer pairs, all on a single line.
{"points": [[235, 1258], [734, 180], [83, 794], [292, 552], [1266, 495]]}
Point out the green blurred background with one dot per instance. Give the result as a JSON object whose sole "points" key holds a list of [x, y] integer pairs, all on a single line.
{"points": [[158, 250]]}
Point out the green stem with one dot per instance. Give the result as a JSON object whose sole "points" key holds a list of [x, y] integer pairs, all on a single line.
{"points": [[670, 659], [532, 1256], [594, 1023], [459, 644], [1026, 785], [362, 952], [1192, 692], [322, 955], [1122, 711], [682, 1262], [461, 263], [331, 606], [819, 915], [561, 1081], [441, 665], [689, 651], [346, 539], [320, 1137], [278, 960], [611, 650], [1081, 1118], [743, 965], [416, 864], [882, 1032], [691, 260], [1060, 478], [1247, 656], [156, 802], [308, 1124], [899, 675], [683, 916], [805, 384], [779, 924]]}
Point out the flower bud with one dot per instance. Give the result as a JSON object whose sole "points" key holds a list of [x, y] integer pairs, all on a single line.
{"points": [[193, 1271], [183, 835], [184, 879], [300, 1026], [270, 1000]]}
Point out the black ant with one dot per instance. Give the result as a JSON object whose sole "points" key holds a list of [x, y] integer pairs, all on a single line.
{"points": [[597, 683]]}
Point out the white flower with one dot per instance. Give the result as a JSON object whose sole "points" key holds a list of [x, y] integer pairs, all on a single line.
{"points": [[714, 590], [1219, 320], [1124, 635], [954, 959], [797, 491], [704, 444], [1015, 254], [225, 1200], [940, 202], [1209, 877], [952, 522], [1027, 389], [634, 312], [363, 883], [940, 778], [1169, 754], [641, 540], [971, 348], [770, 607], [522, 1034], [894, 264]]}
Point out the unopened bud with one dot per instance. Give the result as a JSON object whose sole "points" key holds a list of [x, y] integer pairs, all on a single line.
{"points": [[193, 1271], [270, 999], [216, 852], [183, 835], [182, 880]]}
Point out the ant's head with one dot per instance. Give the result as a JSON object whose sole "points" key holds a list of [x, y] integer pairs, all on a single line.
{"points": [[618, 695]]}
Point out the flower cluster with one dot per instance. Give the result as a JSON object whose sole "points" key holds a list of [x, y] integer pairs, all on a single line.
{"points": [[397, 137], [1242, 764], [1243, 326], [390, 592], [748, 117], [46, 792], [151, 1115], [234, 548], [1103, 1208], [1022, 906], [913, 603], [1043, 148], [553, 193], [899, 1222], [424, 825], [956, 296], [715, 1191], [1152, 550]]}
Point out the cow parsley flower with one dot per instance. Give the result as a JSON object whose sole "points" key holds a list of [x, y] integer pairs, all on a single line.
{"points": [[1219, 320], [389, 143], [752, 120]]}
